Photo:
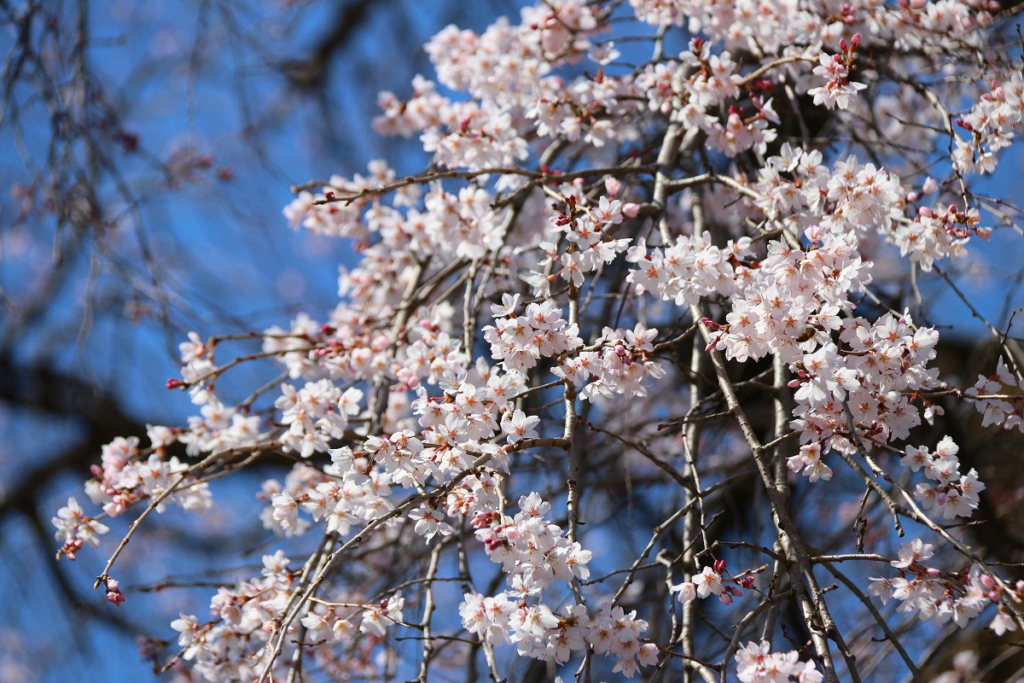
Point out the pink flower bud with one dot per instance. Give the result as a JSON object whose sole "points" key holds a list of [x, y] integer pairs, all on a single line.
{"points": [[984, 233], [114, 593], [631, 210], [612, 185]]}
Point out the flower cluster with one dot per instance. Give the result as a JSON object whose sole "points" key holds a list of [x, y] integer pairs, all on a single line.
{"points": [[128, 475], [541, 633], [315, 414], [464, 220], [836, 68], [322, 215], [709, 582], [590, 246], [796, 189], [756, 663], [690, 269], [990, 126], [1006, 405], [875, 379], [234, 644], [533, 552], [791, 303], [808, 462], [75, 529], [935, 234], [218, 428], [948, 492], [620, 364], [938, 595], [520, 341], [338, 497]]}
